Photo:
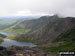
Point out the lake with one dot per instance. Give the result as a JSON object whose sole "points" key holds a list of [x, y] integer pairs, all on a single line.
{"points": [[7, 34], [8, 42]]}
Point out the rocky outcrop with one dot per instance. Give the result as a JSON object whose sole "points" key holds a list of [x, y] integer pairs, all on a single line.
{"points": [[23, 51]]}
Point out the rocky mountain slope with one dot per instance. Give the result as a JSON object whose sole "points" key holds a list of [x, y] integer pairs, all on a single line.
{"points": [[52, 30], [47, 29], [25, 26], [50, 33], [23, 51]]}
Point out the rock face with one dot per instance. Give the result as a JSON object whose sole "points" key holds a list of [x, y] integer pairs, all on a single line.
{"points": [[47, 29], [49, 32], [23, 51]]}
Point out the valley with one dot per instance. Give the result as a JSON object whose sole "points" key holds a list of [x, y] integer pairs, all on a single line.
{"points": [[47, 33], [37, 27]]}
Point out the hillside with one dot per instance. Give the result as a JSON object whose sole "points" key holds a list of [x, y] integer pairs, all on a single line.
{"points": [[51, 31], [5, 24], [46, 29], [51, 34], [69, 43], [26, 26], [11, 23], [10, 30]]}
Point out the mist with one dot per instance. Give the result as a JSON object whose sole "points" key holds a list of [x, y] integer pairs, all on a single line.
{"points": [[37, 7]]}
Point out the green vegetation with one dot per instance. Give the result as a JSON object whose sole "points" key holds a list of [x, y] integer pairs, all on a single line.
{"points": [[2, 36], [22, 39], [16, 31], [27, 26], [68, 36], [46, 29], [1, 40], [17, 48], [68, 47], [19, 38], [5, 24], [19, 30], [73, 20], [11, 38]]}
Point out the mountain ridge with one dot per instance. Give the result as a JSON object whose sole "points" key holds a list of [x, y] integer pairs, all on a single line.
{"points": [[48, 32]]}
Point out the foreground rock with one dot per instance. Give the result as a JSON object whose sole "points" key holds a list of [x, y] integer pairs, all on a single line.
{"points": [[23, 51]]}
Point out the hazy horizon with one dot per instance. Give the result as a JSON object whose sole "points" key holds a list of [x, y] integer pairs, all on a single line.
{"points": [[37, 7]]}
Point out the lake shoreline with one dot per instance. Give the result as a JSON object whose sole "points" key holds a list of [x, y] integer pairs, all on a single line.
{"points": [[8, 43]]}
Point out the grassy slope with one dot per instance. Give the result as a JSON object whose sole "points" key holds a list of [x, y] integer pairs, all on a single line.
{"points": [[11, 30], [28, 25], [50, 31], [21, 39], [2, 37], [53, 28], [69, 38], [67, 47], [5, 24]]}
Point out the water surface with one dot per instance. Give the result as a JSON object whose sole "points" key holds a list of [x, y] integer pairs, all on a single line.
{"points": [[7, 34], [8, 43]]}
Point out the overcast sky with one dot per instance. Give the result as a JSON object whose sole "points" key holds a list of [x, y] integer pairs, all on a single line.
{"points": [[37, 7]]}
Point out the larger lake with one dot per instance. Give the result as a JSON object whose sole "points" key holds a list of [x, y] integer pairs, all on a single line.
{"points": [[8, 42]]}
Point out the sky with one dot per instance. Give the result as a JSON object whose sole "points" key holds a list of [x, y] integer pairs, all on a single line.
{"points": [[37, 7]]}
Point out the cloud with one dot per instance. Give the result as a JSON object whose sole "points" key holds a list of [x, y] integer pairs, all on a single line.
{"points": [[37, 7], [30, 13]]}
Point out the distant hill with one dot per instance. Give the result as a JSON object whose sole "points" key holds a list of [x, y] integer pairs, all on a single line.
{"points": [[26, 26], [15, 18], [7, 23]]}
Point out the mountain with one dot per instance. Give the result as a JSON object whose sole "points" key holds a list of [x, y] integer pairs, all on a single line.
{"points": [[26, 26], [15, 18], [50, 33], [8, 22], [34, 23], [46, 29], [5, 24]]}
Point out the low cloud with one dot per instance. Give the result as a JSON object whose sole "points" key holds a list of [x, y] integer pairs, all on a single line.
{"points": [[37, 7]]}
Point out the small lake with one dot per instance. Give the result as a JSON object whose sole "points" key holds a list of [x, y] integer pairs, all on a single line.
{"points": [[7, 34], [8, 42]]}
